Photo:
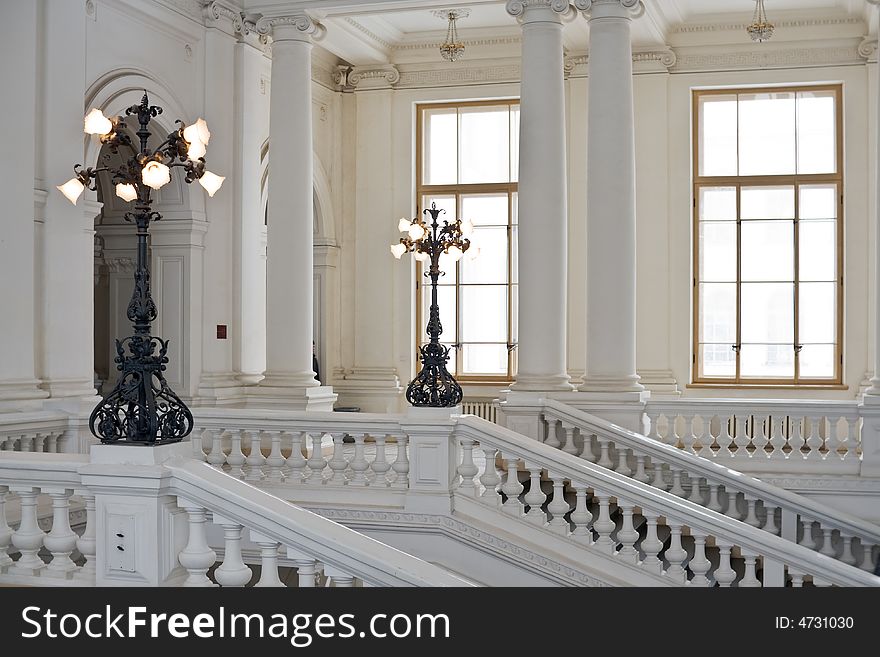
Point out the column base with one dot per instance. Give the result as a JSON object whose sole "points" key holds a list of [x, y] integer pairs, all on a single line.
{"points": [[542, 383], [290, 397], [59, 388], [611, 384], [21, 395], [372, 389], [660, 383], [218, 389]]}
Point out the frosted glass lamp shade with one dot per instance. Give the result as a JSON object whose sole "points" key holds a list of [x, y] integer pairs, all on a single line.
{"points": [[473, 252], [211, 182], [156, 175], [126, 191], [96, 123], [416, 232], [455, 253], [196, 150], [197, 132], [404, 225], [467, 227], [398, 250], [421, 256], [72, 189]]}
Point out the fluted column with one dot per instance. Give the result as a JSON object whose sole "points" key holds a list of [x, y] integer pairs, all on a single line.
{"points": [[870, 465], [610, 380], [543, 219], [289, 379]]}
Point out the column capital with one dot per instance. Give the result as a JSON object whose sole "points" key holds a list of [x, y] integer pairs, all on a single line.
{"points": [[294, 27], [635, 8], [519, 8]]}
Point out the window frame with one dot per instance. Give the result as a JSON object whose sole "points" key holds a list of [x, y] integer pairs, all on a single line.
{"points": [[458, 190], [789, 180]]}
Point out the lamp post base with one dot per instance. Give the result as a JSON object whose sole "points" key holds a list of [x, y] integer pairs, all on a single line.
{"points": [[434, 386]]}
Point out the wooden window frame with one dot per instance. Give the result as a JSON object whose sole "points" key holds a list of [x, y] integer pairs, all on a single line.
{"points": [[789, 180], [459, 190]]}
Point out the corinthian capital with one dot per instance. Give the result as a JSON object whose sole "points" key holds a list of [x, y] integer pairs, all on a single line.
{"points": [[635, 7], [518, 7], [296, 26]]}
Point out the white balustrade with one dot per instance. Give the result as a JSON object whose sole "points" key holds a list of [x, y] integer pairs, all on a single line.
{"points": [[28, 538], [60, 541], [233, 572], [197, 557]]}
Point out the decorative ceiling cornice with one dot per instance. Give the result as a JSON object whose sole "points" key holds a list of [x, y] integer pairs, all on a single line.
{"points": [[512, 39], [372, 35], [688, 28]]}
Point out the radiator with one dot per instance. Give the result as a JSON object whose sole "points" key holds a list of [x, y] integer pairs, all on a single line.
{"points": [[483, 408]]}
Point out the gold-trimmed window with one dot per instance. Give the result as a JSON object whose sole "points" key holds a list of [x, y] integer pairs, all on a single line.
{"points": [[467, 163], [768, 229]]}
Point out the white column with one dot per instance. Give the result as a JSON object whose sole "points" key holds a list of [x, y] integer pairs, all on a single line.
{"points": [[610, 380], [67, 258], [290, 380], [542, 199], [870, 465], [18, 383]]}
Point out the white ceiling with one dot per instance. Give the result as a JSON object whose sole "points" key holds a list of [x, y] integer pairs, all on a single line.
{"points": [[380, 26]]}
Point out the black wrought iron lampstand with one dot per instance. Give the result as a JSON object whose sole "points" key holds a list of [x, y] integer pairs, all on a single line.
{"points": [[142, 409], [433, 386]]}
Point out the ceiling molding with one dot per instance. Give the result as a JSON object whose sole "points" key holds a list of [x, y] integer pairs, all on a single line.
{"points": [[368, 33], [688, 28], [512, 39]]}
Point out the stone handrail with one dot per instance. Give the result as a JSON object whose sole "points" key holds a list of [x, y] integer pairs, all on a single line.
{"points": [[684, 473], [41, 431], [781, 560]]}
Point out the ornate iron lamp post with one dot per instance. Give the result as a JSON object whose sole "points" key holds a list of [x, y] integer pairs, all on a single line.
{"points": [[434, 385], [142, 409]]}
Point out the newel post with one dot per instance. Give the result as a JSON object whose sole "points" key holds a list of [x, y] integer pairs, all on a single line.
{"points": [[432, 458]]}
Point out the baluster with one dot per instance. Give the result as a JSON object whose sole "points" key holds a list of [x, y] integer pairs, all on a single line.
{"points": [[581, 516], [198, 444], [535, 498], [622, 465], [604, 458], [233, 572], [807, 535], [675, 553], [52, 442], [641, 474], [833, 441], [512, 488], [699, 565], [814, 442], [796, 441], [724, 574], [275, 461], [658, 481], [627, 534], [688, 437], [852, 438], [306, 568], [770, 522], [827, 549], [558, 507], [337, 462], [732, 511], [777, 440], [604, 525], [706, 439], [651, 544], [759, 440], [316, 461], [696, 495], [467, 469], [724, 439], [60, 541], [587, 448], [359, 465], [714, 502], [751, 515], [741, 438], [26, 443], [750, 576], [216, 457], [797, 577], [255, 460], [39, 442], [867, 555], [677, 488], [87, 543], [236, 458], [338, 578], [268, 560], [490, 478], [380, 465], [5, 532], [28, 538], [296, 462], [196, 557], [552, 439], [401, 464], [848, 556], [653, 430], [672, 437], [569, 447]]}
